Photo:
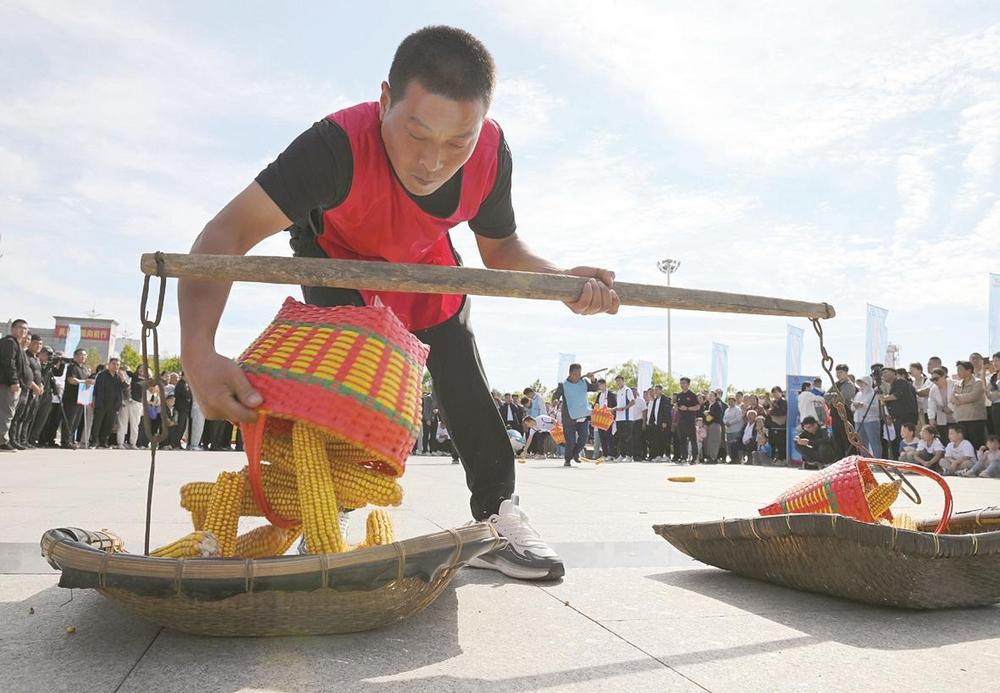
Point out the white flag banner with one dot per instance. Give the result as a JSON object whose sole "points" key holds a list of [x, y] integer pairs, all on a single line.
{"points": [[720, 367], [644, 376], [565, 360], [72, 339], [793, 350], [994, 314], [876, 335]]}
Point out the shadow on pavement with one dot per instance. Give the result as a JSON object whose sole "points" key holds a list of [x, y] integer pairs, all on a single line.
{"points": [[824, 618]]}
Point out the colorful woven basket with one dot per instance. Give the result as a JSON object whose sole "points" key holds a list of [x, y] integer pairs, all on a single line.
{"points": [[848, 487], [602, 418], [558, 435], [353, 372]]}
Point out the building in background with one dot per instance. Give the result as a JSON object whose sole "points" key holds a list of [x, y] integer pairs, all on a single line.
{"points": [[97, 335]]}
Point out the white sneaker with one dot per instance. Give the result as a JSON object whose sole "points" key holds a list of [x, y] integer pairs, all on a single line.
{"points": [[524, 555], [343, 516]]}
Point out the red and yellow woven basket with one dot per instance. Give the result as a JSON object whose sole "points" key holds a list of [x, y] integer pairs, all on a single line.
{"points": [[843, 488], [558, 434], [353, 372], [602, 418]]}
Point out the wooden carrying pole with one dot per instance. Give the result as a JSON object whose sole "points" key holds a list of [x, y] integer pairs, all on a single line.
{"points": [[384, 276]]}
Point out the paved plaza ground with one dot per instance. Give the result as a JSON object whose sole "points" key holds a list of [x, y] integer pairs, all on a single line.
{"points": [[631, 614]]}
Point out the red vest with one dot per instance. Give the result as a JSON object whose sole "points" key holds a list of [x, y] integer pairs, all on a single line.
{"points": [[379, 221]]}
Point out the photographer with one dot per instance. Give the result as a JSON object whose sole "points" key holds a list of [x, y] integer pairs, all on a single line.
{"points": [[901, 401]]}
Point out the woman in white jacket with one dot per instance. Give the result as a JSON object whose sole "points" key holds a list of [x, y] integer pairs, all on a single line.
{"points": [[939, 412]]}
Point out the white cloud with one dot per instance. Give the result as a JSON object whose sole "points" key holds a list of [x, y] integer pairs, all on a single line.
{"points": [[915, 186]]}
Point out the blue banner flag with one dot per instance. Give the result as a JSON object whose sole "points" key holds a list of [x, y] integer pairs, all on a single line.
{"points": [[720, 367], [793, 350], [994, 313], [876, 336]]}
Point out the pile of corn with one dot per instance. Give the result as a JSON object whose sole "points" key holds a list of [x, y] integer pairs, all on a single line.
{"points": [[304, 482]]}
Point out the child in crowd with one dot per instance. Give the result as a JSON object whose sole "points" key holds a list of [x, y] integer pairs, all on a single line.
{"points": [[908, 444], [930, 450], [989, 460], [700, 433], [959, 455]]}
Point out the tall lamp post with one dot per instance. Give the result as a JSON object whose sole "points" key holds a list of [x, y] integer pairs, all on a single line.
{"points": [[668, 267]]}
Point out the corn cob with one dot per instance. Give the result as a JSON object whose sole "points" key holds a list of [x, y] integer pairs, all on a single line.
{"points": [[318, 499], [358, 486], [378, 529], [265, 541], [881, 498], [223, 515], [194, 545]]}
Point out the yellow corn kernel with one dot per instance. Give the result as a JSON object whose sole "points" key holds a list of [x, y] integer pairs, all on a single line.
{"points": [[194, 545], [317, 495], [266, 541], [882, 497], [196, 495], [223, 515], [904, 521], [358, 486], [378, 529]]}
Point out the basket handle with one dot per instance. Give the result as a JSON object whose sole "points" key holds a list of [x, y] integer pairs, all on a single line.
{"points": [[253, 443], [930, 474]]}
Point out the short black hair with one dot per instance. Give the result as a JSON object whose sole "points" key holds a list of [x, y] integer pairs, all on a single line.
{"points": [[918, 366], [842, 367], [575, 367], [805, 386], [528, 391], [685, 379], [958, 428], [79, 351], [447, 61], [19, 321], [602, 381], [36, 337], [810, 420], [967, 365]]}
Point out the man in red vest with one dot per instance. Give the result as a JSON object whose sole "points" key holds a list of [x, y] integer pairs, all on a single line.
{"points": [[385, 181]]}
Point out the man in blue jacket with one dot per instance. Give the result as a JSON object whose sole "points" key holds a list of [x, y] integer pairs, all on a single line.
{"points": [[575, 411]]}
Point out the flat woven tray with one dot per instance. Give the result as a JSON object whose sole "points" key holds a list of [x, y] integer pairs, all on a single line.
{"points": [[839, 556], [285, 595]]}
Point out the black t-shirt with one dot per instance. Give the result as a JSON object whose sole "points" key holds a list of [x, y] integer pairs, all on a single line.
{"points": [[687, 399], [314, 174], [904, 408], [73, 370]]}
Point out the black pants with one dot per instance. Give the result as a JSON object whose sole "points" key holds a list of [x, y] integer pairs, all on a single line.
{"points": [[102, 426], [577, 434], [638, 441], [779, 445], [428, 437], [464, 398], [177, 432], [975, 432], [74, 413], [842, 446], [623, 438], [818, 456], [40, 418], [686, 436], [20, 425]]}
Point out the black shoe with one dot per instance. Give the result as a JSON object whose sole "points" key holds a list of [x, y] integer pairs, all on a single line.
{"points": [[68, 446], [567, 464], [7, 447], [16, 445]]}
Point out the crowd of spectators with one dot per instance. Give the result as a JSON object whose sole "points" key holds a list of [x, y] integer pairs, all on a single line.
{"points": [[947, 421], [944, 420], [50, 400]]}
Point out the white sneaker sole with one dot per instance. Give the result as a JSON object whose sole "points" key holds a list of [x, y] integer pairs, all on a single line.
{"points": [[513, 570]]}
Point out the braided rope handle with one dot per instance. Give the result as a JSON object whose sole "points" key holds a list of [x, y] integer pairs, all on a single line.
{"points": [[930, 474]]}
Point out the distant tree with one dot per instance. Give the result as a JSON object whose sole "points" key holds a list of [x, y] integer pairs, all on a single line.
{"points": [[130, 358], [427, 385], [171, 364], [537, 387]]}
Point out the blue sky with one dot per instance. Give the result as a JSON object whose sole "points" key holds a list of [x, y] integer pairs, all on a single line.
{"points": [[841, 152]]}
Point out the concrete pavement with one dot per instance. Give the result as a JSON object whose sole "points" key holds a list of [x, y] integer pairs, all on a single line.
{"points": [[631, 614]]}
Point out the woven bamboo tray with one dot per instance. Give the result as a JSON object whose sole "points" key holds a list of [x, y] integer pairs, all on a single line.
{"points": [[839, 556], [285, 595]]}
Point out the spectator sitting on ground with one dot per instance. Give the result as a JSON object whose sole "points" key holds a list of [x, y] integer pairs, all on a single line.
{"points": [[959, 455], [814, 445], [908, 443], [989, 460], [930, 450]]}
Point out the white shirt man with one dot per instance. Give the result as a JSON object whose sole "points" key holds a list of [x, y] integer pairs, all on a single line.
{"points": [[810, 404], [625, 398]]}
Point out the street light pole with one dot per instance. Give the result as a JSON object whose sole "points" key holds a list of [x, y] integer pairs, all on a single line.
{"points": [[668, 267]]}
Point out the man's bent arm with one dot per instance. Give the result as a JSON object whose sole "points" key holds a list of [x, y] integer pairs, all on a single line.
{"points": [[248, 219]]}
